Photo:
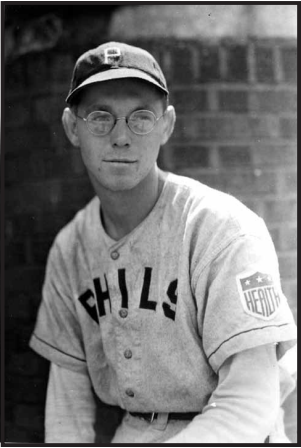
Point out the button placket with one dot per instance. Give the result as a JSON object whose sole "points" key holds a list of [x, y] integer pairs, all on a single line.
{"points": [[128, 341], [127, 361]]}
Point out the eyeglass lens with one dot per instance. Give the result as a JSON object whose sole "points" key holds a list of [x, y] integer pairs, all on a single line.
{"points": [[140, 122]]}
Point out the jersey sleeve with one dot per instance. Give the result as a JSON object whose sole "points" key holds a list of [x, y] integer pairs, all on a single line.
{"points": [[244, 406], [57, 334], [244, 304]]}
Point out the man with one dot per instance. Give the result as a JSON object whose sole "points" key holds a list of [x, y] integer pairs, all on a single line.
{"points": [[162, 295]]}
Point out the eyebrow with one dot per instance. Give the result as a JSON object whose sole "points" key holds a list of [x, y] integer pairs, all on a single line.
{"points": [[96, 106], [107, 108]]}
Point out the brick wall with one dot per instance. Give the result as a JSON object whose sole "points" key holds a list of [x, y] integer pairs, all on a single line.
{"points": [[235, 131]]}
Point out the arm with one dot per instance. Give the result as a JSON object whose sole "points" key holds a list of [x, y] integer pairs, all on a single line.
{"points": [[244, 406], [70, 407]]}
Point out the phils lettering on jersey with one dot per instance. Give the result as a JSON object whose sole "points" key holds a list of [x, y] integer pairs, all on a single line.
{"points": [[259, 294], [94, 301]]}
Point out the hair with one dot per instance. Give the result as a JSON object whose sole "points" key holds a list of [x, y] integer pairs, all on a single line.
{"points": [[165, 100]]}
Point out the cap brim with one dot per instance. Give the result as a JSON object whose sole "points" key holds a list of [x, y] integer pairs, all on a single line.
{"points": [[116, 73]]}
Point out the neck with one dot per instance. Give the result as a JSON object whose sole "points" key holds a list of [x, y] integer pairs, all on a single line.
{"points": [[123, 211]]}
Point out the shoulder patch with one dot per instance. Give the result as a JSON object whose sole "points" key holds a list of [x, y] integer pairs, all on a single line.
{"points": [[259, 294]]}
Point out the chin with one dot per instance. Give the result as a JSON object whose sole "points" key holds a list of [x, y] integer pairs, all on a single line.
{"points": [[121, 185], [118, 182]]}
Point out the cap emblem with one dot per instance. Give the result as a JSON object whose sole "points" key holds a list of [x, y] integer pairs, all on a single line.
{"points": [[112, 55]]}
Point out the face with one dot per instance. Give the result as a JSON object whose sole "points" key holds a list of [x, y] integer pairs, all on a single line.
{"points": [[120, 160]]}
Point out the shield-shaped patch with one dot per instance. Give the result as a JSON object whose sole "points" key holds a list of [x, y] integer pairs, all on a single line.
{"points": [[259, 294]]}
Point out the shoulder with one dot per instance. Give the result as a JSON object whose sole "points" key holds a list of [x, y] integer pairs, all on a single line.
{"points": [[74, 235], [207, 207], [208, 221]]}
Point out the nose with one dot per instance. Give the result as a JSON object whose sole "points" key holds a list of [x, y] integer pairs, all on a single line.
{"points": [[121, 134]]}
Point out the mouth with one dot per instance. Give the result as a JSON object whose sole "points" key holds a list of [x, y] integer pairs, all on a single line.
{"points": [[121, 161]]}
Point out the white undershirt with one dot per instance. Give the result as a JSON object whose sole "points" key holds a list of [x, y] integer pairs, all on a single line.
{"points": [[242, 409]]}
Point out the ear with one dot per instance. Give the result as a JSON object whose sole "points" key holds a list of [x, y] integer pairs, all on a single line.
{"points": [[70, 126], [169, 124]]}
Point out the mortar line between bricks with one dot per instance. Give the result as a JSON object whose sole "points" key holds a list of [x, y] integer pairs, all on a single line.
{"points": [[289, 86], [202, 141], [287, 253], [239, 141], [234, 86], [279, 75], [251, 63], [263, 197], [243, 170], [268, 197], [275, 226], [51, 181], [232, 114]]}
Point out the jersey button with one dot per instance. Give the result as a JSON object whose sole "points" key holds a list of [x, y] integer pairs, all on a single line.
{"points": [[123, 313], [128, 354], [129, 393], [115, 255]]}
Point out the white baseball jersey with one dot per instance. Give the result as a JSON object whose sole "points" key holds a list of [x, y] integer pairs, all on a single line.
{"points": [[153, 316]]}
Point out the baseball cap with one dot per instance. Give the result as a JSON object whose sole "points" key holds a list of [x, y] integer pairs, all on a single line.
{"points": [[115, 60]]}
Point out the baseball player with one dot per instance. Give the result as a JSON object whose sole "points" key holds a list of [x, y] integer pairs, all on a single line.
{"points": [[162, 296]]}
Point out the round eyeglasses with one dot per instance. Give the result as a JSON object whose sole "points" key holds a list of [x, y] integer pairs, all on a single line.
{"points": [[140, 122]]}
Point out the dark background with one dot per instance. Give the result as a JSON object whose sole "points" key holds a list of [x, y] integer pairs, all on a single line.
{"points": [[236, 131]]}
